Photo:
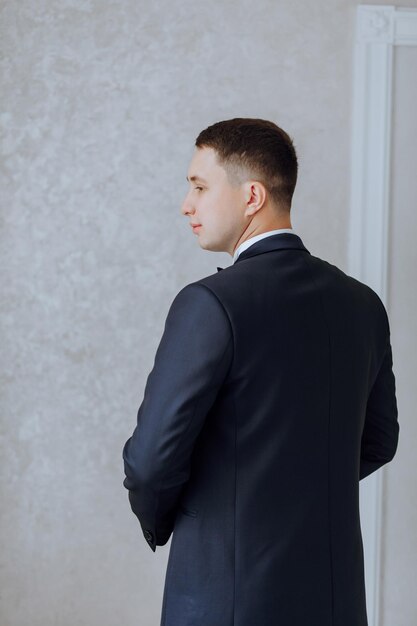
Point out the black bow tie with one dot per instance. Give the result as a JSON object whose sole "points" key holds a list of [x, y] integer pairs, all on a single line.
{"points": [[220, 268]]}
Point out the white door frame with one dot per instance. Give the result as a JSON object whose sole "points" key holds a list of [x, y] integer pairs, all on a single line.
{"points": [[378, 29]]}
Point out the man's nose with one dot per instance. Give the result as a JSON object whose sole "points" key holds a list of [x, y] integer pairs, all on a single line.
{"points": [[186, 207]]}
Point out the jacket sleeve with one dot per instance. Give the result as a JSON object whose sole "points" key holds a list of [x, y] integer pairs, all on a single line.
{"points": [[190, 365], [381, 429]]}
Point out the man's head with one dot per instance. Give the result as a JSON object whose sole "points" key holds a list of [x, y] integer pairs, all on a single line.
{"points": [[241, 182]]}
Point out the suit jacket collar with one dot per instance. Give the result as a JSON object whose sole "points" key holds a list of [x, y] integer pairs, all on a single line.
{"points": [[279, 241]]}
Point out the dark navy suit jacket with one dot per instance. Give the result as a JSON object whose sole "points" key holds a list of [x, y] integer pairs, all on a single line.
{"points": [[271, 396]]}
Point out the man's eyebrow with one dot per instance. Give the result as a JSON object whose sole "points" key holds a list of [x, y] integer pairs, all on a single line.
{"points": [[194, 178]]}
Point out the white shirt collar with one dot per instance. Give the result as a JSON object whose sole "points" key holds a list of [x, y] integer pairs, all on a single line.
{"points": [[248, 242]]}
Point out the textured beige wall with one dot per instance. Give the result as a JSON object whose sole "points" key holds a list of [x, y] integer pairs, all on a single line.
{"points": [[101, 103]]}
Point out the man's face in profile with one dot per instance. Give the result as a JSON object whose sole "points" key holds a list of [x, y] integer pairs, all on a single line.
{"points": [[213, 204]]}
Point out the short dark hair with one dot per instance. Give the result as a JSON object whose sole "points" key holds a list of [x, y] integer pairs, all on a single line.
{"points": [[251, 148]]}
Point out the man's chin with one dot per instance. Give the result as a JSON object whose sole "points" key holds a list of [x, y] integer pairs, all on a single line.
{"points": [[203, 243], [211, 247]]}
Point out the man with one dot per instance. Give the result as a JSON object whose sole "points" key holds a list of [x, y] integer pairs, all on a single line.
{"points": [[272, 394]]}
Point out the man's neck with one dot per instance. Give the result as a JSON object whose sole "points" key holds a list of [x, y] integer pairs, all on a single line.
{"points": [[260, 229], [257, 237]]}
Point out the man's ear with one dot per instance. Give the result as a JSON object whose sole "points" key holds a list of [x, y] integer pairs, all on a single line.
{"points": [[254, 194]]}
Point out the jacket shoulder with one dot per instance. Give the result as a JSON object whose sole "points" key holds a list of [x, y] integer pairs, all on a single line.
{"points": [[202, 300], [361, 291]]}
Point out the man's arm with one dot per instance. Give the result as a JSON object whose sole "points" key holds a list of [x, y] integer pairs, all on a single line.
{"points": [[381, 430], [191, 363]]}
